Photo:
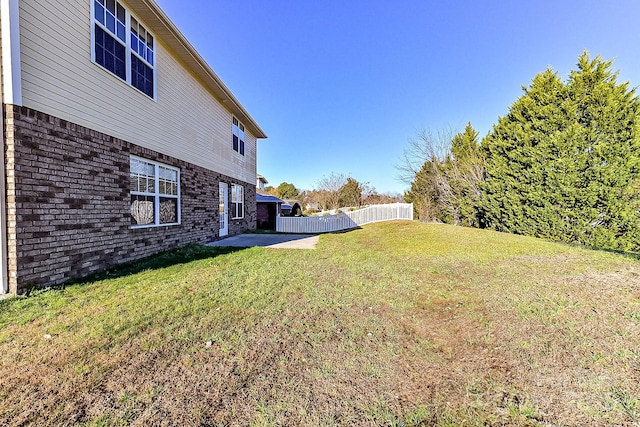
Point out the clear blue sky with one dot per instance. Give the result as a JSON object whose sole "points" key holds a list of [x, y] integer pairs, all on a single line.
{"points": [[342, 86]]}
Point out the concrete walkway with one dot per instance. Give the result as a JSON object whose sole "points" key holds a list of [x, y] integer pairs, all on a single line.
{"points": [[278, 241]]}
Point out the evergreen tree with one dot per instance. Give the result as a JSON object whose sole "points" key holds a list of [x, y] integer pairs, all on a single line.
{"points": [[466, 171], [465, 146], [517, 152], [350, 193], [424, 192], [607, 120], [445, 189], [288, 191], [563, 163]]}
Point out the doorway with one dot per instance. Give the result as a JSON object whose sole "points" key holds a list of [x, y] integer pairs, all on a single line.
{"points": [[224, 209]]}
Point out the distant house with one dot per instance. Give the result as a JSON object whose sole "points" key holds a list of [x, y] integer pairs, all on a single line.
{"points": [[119, 141], [314, 206], [268, 208], [291, 208], [261, 183]]}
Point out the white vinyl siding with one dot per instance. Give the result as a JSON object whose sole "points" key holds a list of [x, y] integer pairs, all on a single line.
{"points": [[59, 78]]}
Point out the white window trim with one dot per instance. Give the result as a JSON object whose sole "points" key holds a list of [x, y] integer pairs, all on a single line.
{"points": [[235, 203], [128, 50], [157, 195]]}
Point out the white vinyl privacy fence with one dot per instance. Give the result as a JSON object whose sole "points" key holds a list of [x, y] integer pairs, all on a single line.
{"points": [[344, 221]]}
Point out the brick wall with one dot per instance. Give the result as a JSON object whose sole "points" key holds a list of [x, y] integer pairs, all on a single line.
{"points": [[68, 201]]}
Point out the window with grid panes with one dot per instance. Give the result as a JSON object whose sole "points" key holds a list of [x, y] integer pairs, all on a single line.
{"points": [[237, 129], [237, 201], [132, 58], [155, 193]]}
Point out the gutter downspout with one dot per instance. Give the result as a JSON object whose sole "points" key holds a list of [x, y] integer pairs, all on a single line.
{"points": [[11, 95]]}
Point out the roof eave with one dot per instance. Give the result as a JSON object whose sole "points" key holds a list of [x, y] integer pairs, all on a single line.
{"points": [[158, 21]]}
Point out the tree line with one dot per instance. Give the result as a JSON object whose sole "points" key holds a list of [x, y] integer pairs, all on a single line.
{"points": [[562, 164], [333, 191]]}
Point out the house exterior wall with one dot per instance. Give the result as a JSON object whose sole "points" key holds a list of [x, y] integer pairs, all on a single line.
{"points": [[262, 215], [68, 197], [68, 140], [1, 66], [266, 214], [58, 78]]}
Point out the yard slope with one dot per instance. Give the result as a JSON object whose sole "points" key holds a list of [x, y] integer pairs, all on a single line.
{"points": [[395, 323]]}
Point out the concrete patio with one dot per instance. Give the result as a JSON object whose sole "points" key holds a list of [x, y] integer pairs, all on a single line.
{"points": [[277, 241]]}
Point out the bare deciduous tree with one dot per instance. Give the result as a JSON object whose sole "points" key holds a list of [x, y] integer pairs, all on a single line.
{"points": [[444, 179], [328, 188], [427, 146], [421, 169]]}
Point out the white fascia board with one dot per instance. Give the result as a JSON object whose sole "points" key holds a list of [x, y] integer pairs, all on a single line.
{"points": [[12, 94], [11, 66]]}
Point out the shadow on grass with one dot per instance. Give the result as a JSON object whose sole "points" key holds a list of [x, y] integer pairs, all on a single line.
{"points": [[189, 253], [632, 255], [626, 254], [346, 230], [260, 231]]}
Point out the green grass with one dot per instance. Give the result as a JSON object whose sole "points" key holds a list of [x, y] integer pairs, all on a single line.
{"points": [[393, 324]]}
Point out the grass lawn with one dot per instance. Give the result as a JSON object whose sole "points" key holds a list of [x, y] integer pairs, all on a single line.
{"points": [[396, 323]]}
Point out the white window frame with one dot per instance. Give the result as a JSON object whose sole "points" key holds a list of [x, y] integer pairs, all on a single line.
{"points": [[128, 49], [156, 194], [237, 201]]}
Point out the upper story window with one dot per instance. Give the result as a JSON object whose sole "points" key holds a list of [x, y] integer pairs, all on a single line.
{"points": [[129, 58], [155, 193], [142, 54], [238, 136]]}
